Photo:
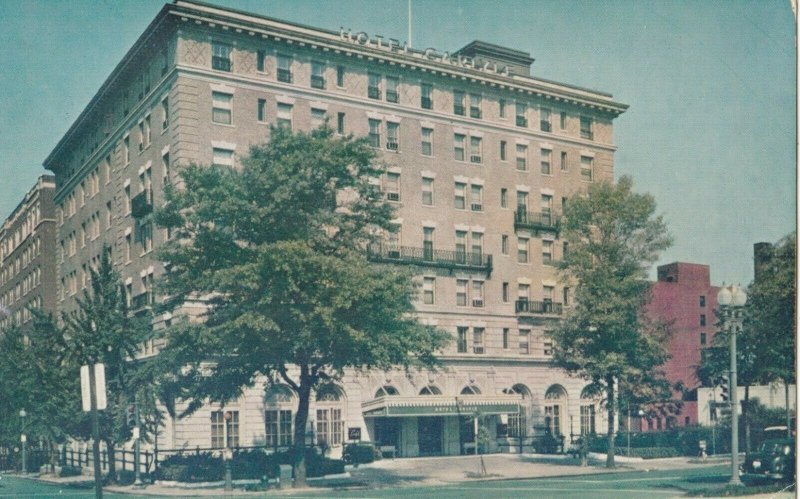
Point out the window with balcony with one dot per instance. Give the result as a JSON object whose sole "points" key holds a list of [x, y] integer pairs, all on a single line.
{"points": [[477, 248], [317, 74], [392, 136], [221, 108], [426, 96], [458, 146], [544, 120], [586, 128], [427, 191], [427, 243], [587, 167], [461, 246], [285, 68], [522, 157], [374, 86], [461, 196], [545, 161], [459, 102], [375, 133], [392, 85], [461, 292], [475, 150], [522, 114], [427, 141], [475, 101], [221, 56]]}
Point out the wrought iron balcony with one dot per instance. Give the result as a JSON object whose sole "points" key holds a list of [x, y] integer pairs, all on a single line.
{"points": [[392, 96], [537, 222], [430, 257], [221, 63], [142, 204], [374, 92], [427, 103], [538, 307], [459, 109], [317, 81], [522, 121], [545, 126], [475, 112]]}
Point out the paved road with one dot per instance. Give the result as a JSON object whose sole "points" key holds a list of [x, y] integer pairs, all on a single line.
{"points": [[25, 488]]}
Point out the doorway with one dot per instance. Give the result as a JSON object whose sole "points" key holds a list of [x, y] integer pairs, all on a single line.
{"points": [[429, 434]]}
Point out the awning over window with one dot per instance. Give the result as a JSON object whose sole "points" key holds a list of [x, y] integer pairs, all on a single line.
{"points": [[441, 405]]}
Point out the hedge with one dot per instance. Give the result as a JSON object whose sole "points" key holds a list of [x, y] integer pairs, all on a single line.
{"points": [[685, 441], [361, 453], [70, 471]]}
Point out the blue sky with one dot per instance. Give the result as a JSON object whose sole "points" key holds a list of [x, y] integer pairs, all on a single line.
{"points": [[710, 133]]}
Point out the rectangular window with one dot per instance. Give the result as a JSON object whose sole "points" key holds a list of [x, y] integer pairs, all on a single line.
{"points": [[477, 294], [461, 292], [392, 136], [261, 55], [221, 108], [475, 106], [374, 88], [375, 133], [475, 154], [477, 340], [544, 120], [476, 198], [504, 244], [458, 146], [477, 248], [563, 120], [392, 83], [506, 334], [702, 339], [564, 166], [503, 150], [458, 103], [504, 292], [522, 250], [702, 319], [426, 99], [317, 116], [340, 76], [522, 111], [461, 339], [225, 429], [222, 157], [566, 298], [501, 104], [461, 196], [586, 168], [126, 149], [548, 348], [127, 249], [524, 345], [503, 197], [545, 161], [148, 136], [221, 56], [317, 74], [340, 123], [522, 201], [461, 246], [330, 426], [392, 186], [427, 141], [278, 428], [284, 115], [427, 191], [547, 251], [127, 193], [546, 204], [702, 301], [109, 214], [428, 290], [262, 110], [285, 68], [427, 243], [586, 128], [165, 114], [522, 157]]}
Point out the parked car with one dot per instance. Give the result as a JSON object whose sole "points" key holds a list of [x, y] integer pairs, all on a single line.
{"points": [[773, 461]]}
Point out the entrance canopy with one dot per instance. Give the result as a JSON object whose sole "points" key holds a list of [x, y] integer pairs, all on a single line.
{"points": [[441, 405]]}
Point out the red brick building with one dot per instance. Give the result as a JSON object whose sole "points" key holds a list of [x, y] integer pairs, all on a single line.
{"points": [[684, 296]]}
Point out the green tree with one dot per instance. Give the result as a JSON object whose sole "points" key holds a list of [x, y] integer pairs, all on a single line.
{"points": [[277, 250], [101, 330], [613, 237]]}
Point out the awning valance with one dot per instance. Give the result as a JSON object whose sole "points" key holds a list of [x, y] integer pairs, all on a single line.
{"points": [[441, 405]]}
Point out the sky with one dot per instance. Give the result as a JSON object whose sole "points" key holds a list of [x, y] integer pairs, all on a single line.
{"points": [[710, 133]]}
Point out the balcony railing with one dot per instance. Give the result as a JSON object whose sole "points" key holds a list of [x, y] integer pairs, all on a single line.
{"points": [[546, 126], [221, 63], [475, 112], [545, 221], [317, 81], [538, 307], [587, 134], [142, 204], [374, 92], [284, 75], [430, 257], [392, 96], [427, 103], [522, 121], [459, 109]]}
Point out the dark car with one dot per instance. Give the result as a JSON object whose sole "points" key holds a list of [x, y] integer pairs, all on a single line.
{"points": [[774, 461]]}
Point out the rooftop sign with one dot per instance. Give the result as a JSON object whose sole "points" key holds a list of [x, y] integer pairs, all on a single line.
{"points": [[430, 54]]}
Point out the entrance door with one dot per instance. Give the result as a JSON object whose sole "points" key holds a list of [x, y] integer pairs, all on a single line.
{"points": [[429, 435], [466, 430]]}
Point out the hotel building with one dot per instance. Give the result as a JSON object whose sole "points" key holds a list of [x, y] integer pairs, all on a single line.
{"points": [[28, 257], [481, 159]]}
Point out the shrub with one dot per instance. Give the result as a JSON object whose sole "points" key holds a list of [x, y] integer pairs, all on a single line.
{"points": [[70, 471], [127, 477], [361, 454], [198, 467]]}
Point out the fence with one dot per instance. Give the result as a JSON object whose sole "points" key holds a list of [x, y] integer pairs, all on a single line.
{"points": [[11, 459]]}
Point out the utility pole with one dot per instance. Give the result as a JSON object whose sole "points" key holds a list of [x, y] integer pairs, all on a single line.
{"points": [[98, 481]]}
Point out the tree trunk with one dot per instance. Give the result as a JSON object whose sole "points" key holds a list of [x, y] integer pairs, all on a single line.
{"points": [[745, 411], [300, 421], [112, 461], [611, 417], [788, 409]]}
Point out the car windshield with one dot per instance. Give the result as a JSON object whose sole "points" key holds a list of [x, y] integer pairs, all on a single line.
{"points": [[772, 447]]}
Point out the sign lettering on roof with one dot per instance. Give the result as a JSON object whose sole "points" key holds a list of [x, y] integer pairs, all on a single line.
{"points": [[430, 54]]}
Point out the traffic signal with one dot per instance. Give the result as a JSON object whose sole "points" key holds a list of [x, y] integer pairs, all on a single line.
{"points": [[724, 388], [130, 416]]}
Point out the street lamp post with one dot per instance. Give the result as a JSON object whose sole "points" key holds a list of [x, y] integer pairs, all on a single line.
{"points": [[731, 299], [23, 439]]}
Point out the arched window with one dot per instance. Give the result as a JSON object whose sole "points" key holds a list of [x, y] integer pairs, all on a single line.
{"points": [[279, 403], [555, 405], [517, 423], [330, 417], [471, 390], [430, 390], [589, 403], [386, 390]]}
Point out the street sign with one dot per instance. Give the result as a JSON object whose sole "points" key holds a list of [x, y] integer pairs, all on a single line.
{"points": [[99, 385], [23, 438], [354, 433]]}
